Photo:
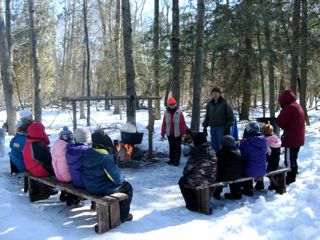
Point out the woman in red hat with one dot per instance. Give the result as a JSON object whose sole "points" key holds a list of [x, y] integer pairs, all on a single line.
{"points": [[174, 126]]}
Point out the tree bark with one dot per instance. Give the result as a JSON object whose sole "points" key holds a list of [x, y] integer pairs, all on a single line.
{"points": [[156, 64], [295, 45], [129, 66], [197, 77], [6, 77], [304, 59], [175, 51], [37, 109], [86, 40]]}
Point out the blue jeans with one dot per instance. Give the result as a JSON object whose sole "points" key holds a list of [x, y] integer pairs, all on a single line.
{"points": [[216, 132]]}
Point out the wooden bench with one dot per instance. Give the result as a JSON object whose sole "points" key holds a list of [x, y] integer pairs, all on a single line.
{"points": [[107, 207], [278, 178]]}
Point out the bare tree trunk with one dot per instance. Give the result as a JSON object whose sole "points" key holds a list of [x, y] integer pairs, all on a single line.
{"points": [[175, 51], [304, 59], [35, 63], [117, 109], [295, 45], [270, 68], [261, 72], [6, 77], [86, 40], [130, 73], [197, 77], [156, 64]]}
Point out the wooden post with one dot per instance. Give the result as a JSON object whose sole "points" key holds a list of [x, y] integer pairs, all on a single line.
{"points": [[74, 111], [150, 128]]}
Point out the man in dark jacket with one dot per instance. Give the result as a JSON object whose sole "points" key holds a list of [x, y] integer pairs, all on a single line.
{"points": [[291, 120], [219, 116]]}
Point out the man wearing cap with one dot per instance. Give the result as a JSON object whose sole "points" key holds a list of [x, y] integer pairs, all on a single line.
{"points": [[174, 126], [219, 116]]}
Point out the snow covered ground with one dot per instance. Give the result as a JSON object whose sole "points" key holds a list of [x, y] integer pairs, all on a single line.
{"points": [[158, 207]]}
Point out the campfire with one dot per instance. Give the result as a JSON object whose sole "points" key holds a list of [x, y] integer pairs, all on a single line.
{"points": [[123, 151]]}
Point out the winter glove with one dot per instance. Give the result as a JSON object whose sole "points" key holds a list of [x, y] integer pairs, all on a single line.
{"points": [[227, 130]]}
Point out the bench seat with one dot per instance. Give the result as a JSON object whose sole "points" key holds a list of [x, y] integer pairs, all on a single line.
{"points": [[107, 207]]}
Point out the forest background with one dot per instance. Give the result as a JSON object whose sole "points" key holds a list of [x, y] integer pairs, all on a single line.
{"points": [[253, 50]]}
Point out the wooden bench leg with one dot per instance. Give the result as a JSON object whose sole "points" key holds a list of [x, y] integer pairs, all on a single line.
{"points": [[203, 200], [279, 181], [108, 217], [103, 215]]}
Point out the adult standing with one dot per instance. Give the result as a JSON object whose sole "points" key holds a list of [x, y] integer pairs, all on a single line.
{"points": [[291, 120], [219, 116], [174, 126]]}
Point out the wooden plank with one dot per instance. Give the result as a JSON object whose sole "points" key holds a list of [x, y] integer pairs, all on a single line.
{"points": [[103, 216], [272, 173], [114, 216], [68, 187]]}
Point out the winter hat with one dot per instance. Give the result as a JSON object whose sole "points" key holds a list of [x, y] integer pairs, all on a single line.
{"points": [[25, 113], [100, 139], [252, 128], [82, 135], [228, 141], [216, 89], [66, 135], [199, 138], [268, 129], [171, 101]]}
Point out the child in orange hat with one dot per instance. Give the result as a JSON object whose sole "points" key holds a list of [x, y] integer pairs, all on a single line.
{"points": [[174, 126]]}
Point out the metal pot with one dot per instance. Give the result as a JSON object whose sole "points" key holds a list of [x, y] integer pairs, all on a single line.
{"points": [[131, 138]]}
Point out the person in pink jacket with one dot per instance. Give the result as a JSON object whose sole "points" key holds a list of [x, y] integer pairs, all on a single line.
{"points": [[58, 154], [60, 165]]}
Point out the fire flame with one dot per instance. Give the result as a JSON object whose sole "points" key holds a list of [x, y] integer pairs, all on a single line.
{"points": [[124, 151]]}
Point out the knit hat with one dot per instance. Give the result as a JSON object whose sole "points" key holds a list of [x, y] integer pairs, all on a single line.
{"points": [[252, 128], [216, 89], [199, 138], [82, 135], [25, 113], [268, 129], [228, 141], [171, 101], [66, 135], [100, 139]]}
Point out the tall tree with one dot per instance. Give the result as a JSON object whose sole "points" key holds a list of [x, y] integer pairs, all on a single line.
{"points": [[6, 76], [295, 45], [86, 40], [35, 64], [197, 76], [156, 65], [304, 59], [129, 66], [175, 76]]}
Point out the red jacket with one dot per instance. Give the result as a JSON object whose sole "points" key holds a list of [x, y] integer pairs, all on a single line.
{"points": [[36, 153], [291, 120]]}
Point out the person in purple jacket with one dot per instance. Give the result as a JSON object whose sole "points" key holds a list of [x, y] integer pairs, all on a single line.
{"points": [[253, 148], [291, 120], [74, 155]]}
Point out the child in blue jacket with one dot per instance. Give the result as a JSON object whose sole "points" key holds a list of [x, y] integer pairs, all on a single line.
{"points": [[101, 175]]}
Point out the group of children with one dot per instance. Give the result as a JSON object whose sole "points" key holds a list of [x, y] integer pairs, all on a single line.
{"points": [[85, 159], [258, 152]]}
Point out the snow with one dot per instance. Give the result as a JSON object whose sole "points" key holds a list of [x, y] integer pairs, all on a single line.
{"points": [[158, 207]]}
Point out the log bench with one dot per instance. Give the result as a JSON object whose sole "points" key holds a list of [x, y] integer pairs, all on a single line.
{"points": [[204, 193], [107, 207]]}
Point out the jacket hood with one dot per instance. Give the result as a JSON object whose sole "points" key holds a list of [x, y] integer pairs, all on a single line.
{"points": [[273, 141], [256, 141], [286, 98], [36, 131]]}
